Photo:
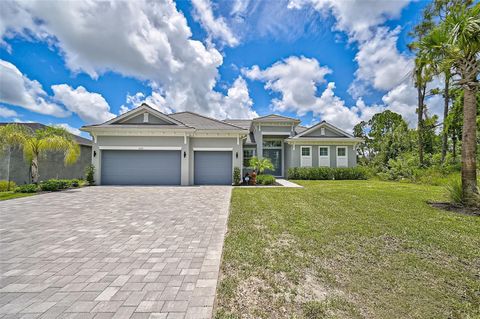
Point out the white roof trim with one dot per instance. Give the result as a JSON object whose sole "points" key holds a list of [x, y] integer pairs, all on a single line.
{"points": [[141, 148], [319, 140], [324, 124]]}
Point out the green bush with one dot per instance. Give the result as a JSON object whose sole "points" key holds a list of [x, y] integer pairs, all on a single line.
{"points": [[74, 183], [326, 173], [89, 174], [7, 186], [236, 176], [27, 188], [455, 192], [53, 185], [265, 179]]}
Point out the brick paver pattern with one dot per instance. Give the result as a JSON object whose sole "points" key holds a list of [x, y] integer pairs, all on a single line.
{"points": [[112, 252]]}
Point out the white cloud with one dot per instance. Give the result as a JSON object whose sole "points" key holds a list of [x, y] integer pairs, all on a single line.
{"points": [[5, 112], [153, 43], [216, 27], [90, 107], [358, 18], [380, 64], [17, 89], [69, 128], [295, 78]]}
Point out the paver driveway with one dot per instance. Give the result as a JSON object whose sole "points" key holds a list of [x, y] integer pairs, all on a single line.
{"points": [[112, 252]]}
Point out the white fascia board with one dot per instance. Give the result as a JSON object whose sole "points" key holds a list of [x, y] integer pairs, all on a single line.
{"points": [[329, 140], [276, 133], [113, 131], [141, 148], [220, 133]]}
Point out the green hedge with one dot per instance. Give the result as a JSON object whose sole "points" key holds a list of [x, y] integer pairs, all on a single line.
{"points": [[27, 188], [7, 186], [326, 173], [265, 179]]}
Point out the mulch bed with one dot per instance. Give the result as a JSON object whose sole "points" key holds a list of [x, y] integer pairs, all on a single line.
{"points": [[470, 211]]}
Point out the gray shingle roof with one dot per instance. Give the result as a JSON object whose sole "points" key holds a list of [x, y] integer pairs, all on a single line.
{"points": [[201, 122], [38, 126], [245, 124]]}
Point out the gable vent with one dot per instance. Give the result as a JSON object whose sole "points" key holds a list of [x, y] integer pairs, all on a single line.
{"points": [[145, 117], [322, 131]]}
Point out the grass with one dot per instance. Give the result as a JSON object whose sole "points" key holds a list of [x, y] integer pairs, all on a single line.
{"points": [[12, 195], [348, 249]]}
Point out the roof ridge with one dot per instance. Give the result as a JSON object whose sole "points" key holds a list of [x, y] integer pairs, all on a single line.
{"points": [[209, 118]]}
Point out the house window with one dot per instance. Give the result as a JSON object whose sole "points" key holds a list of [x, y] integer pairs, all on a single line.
{"points": [[248, 153], [323, 151], [305, 151], [272, 143], [341, 151]]}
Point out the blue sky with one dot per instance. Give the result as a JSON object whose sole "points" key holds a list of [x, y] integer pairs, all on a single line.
{"points": [[82, 63]]}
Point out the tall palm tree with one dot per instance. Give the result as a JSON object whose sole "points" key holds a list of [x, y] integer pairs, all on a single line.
{"points": [[39, 143], [457, 41], [12, 136]]}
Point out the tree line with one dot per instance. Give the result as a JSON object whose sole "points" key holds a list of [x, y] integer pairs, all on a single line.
{"points": [[446, 44]]}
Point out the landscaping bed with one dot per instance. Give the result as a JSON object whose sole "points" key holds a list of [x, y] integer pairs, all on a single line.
{"points": [[348, 249]]}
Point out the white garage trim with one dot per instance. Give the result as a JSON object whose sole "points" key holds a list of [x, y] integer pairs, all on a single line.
{"points": [[213, 149], [141, 148]]}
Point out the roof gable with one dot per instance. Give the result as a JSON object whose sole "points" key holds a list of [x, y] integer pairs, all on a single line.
{"points": [[329, 130], [275, 118], [136, 116]]}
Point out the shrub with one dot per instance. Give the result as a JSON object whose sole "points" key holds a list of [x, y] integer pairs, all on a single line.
{"points": [[74, 183], [89, 174], [236, 176], [326, 173], [265, 179], [27, 188], [455, 192], [7, 186], [52, 185]]}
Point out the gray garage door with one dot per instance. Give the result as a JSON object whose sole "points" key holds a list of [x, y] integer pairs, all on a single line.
{"points": [[140, 167], [213, 168]]}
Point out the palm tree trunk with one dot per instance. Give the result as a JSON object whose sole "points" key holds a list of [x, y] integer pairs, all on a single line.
{"points": [[445, 114], [469, 144], [34, 170], [420, 123]]}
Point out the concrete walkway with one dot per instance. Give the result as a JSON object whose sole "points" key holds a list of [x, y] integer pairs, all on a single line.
{"points": [[112, 252]]}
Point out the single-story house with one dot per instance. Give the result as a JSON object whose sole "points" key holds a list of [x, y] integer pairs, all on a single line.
{"points": [[15, 167], [147, 147]]}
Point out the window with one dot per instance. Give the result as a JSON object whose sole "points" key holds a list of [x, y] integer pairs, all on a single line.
{"points": [[305, 151], [342, 151], [248, 153], [323, 151], [272, 143]]}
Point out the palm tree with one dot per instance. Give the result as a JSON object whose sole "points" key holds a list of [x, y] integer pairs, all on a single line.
{"points": [[11, 136], [457, 41], [39, 143], [261, 164]]}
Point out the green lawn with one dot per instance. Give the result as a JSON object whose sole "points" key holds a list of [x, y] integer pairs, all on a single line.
{"points": [[348, 249], [11, 195]]}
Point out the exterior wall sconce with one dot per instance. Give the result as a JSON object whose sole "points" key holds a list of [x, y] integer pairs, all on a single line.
{"points": [[94, 153], [236, 155], [184, 154]]}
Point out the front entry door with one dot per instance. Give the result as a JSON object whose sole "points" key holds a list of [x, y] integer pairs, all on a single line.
{"points": [[275, 155]]}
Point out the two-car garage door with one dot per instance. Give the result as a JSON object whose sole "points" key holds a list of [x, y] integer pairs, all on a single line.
{"points": [[127, 167], [163, 167]]}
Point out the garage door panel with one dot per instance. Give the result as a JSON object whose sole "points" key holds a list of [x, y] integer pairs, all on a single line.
{"points": [[127, 167], [213, 168]]}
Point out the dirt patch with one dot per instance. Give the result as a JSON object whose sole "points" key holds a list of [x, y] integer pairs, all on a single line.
{"points": [[470, 211]]}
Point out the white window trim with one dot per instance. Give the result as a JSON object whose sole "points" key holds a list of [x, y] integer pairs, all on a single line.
{"points": [[323, 156], [302, 156], [140, 148], [346, 155]]}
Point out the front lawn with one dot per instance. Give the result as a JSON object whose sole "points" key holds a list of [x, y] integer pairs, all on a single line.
{"points": [[11, 195], [348, 249]]}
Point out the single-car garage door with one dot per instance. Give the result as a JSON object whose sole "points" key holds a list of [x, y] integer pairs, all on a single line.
{"points": [[213, 168], [126, 167]]}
